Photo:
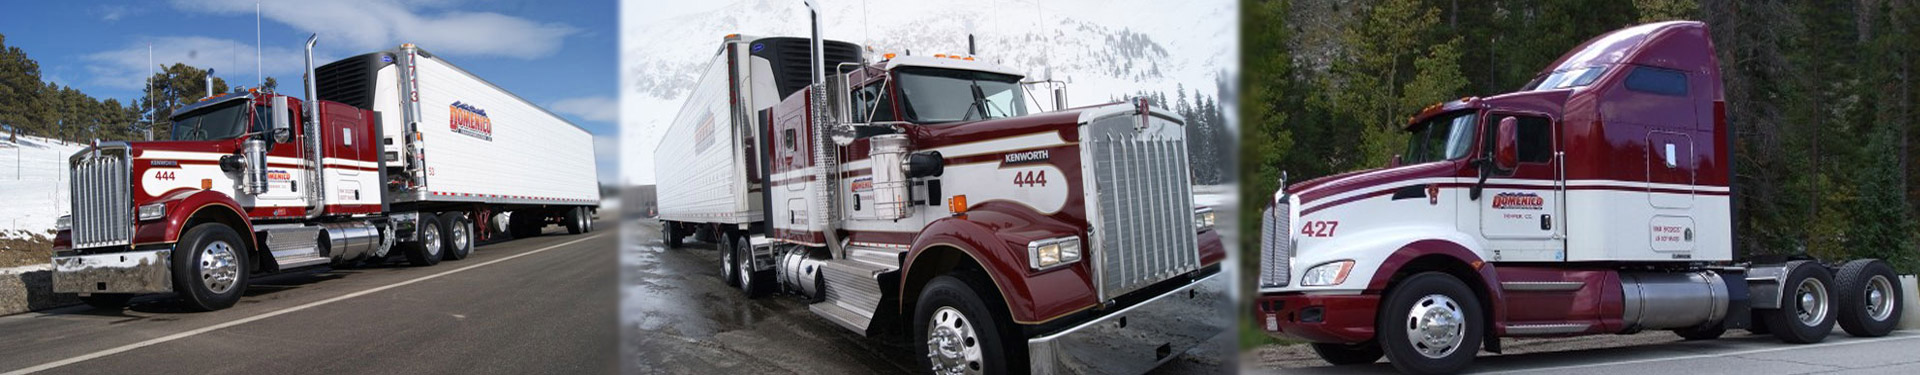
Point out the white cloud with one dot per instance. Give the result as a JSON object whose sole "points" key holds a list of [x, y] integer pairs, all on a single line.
{"points": [[112, 13], [126, 68], [606, 157], [590, 108], [382, 24]]}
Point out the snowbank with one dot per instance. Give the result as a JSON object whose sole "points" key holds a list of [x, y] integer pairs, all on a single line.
{"points": [[33, 185]]}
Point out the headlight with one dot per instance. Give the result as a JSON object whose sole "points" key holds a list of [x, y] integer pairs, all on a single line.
{"points": [[152, 211], [1203, 218], [1325, 274], [1053, 252], [65, 222]]}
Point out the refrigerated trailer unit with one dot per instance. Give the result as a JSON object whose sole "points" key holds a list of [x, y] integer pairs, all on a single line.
{"points": [[1596, 200], [916, 194], [392, 150]]}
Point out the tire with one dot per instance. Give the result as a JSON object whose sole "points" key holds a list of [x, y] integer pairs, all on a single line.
{"points": [[1870, 298], [667, 235], [1349, 354], [1435, 295], [1806, 314], [576, 221], [107, 301], [426, 251], [729, 266], [752, 282], [950, 320], [456, 236], [210, 271], [1702, 332]]}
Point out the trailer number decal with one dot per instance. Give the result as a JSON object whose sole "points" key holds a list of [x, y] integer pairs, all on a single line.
{"points": [[466, 119], [1030, 178], [1319, 228]]}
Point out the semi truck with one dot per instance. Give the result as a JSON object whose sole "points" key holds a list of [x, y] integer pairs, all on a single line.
{"points": [[918, 196], [1595, 200], [391, 153]]}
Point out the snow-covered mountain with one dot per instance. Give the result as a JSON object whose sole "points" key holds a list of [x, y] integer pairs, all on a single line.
{"points": [[1105, 49]]}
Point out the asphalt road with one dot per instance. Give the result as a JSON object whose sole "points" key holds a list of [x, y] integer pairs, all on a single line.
{"points": [[536, 305], [1659, 353], [679, 317]]}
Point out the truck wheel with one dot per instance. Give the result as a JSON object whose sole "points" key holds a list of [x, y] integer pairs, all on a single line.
{"points": [[954, 332], [1702, 332], [1349, 354], [107, 301], [1806, 312], [576, 220], [210, 271], [753, 282], [667, 236], [426, 251], [727, 265], [459, 236], [1869, 298], [1431, 325]]}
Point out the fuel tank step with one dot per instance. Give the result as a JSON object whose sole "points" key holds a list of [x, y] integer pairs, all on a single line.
{"points": [[852, 293]]}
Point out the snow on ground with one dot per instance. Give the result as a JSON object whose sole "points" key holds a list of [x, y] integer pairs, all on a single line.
{"points": [[33, 185], [1216, 196]]}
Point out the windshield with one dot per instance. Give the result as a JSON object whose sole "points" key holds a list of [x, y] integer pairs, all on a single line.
{"points": [[224, 121], [1564, 78], [1445, 137], [946, 95]]}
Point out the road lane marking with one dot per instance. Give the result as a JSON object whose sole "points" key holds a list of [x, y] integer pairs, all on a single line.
{"points": [[181, 335], [1703, 356]]}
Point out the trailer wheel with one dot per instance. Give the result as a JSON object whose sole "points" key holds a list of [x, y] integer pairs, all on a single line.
{"points": [[1349, 354], [727, 266], [426, 251], [459, 236], [954, 332], [107, 301], [1869, 298], [210, 271], [667, 236], [752, 282], [1806, 312], [576, 220], [1431, 325]]}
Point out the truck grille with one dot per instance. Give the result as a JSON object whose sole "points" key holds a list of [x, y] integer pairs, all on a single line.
{"points": [[1145, 209], [1276, 246], [102, 198]]}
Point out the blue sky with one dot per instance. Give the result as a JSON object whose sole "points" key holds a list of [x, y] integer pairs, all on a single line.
{"points": [[558, 54]]}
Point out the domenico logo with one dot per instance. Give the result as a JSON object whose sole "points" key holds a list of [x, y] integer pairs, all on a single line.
{"points": [[1518, 201], [466, 119]]}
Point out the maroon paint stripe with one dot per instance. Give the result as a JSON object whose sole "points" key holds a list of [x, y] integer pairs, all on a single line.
{"points": [[1342, 201]]}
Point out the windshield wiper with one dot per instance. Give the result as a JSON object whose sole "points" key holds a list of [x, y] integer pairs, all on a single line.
{"points": [[979, 102]]}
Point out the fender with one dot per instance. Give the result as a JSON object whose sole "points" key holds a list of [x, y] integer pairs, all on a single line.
{"points": [[182, 205], [995, 235], [1489, 278]]}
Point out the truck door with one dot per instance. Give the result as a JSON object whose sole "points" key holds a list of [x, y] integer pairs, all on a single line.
{"points": [[284, 175], [1522, 211]]}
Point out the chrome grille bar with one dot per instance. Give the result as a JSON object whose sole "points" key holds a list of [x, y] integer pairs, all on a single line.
{"points": [[1276, 246], [1145, 205], [102, 197]]}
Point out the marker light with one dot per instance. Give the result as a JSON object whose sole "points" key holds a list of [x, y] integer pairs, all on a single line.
{"points": [[957, 205]]}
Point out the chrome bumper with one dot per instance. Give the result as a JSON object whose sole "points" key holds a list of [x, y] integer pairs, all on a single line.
{"points": [[1141, 337], [139, 271]]}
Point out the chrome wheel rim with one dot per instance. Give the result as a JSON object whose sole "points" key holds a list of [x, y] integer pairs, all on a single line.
{"points": [[952, 344], [218, 268], [460, 238], [726, 264], [430, 239], [745, 271], [1880, 298], [1436, 325], [1811, 307]]}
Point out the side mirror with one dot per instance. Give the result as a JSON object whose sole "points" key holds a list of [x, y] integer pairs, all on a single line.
{"points": [[1506, 151], [282, 128]]}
